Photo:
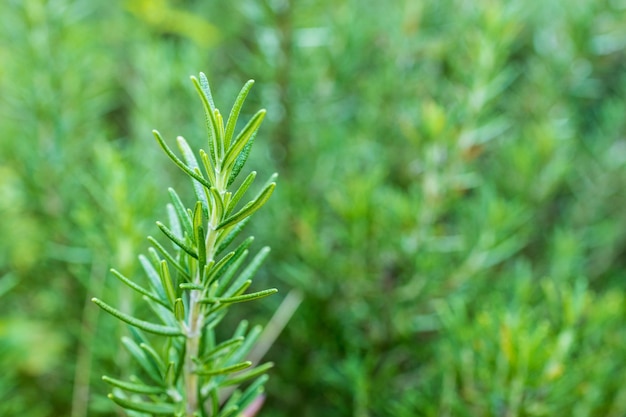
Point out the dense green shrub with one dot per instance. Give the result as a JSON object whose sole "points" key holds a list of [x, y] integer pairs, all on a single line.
{"points": [[451, 201], [547, 341]]}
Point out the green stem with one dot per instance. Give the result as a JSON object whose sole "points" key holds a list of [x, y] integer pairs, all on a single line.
{"points": [[196, 322], [191, 352]]}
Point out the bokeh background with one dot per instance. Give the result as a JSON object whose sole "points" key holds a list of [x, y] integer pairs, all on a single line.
{"points": [[451, 202]]}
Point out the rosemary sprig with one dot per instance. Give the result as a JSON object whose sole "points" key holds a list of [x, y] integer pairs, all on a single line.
{"points": [[190, 287]]}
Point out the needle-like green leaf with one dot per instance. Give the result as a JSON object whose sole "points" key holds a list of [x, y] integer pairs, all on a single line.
{"points": [[133, 387], [181, 211], [246, 347], [248, 272], [169, 258], [204, 91], [199, 235], [218, 203], [241, 298], [234, 112], [219, 268], [166, 315], [174, 223], [222, 349], [241, 160], [245, 376], [153, 276], [137, 287], [249, 208], [152, 355], [246, 134], [209, 167], [234, 291], [231, 269], [252, 392], [176, 240], [219, 125], [143, 325], [240, 191], [144, 407], [225, 370], [189, 171], [179, 309], [192, 163], [149, 366], [228, 236], [167, 282], [190, 286]]}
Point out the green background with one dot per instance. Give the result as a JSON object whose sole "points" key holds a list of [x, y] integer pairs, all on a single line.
{"points": [[451, 203]]}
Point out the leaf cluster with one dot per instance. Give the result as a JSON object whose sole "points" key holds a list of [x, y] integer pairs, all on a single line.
{"points": [[195, 278]]}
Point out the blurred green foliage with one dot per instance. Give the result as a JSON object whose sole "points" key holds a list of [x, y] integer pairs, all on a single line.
{"points": [[451, 202]]}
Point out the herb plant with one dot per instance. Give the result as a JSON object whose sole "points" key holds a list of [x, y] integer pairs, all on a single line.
{"points": [[193, 280]]}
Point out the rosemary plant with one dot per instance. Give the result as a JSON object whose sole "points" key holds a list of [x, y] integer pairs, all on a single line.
{"points": [[192, 283]]}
